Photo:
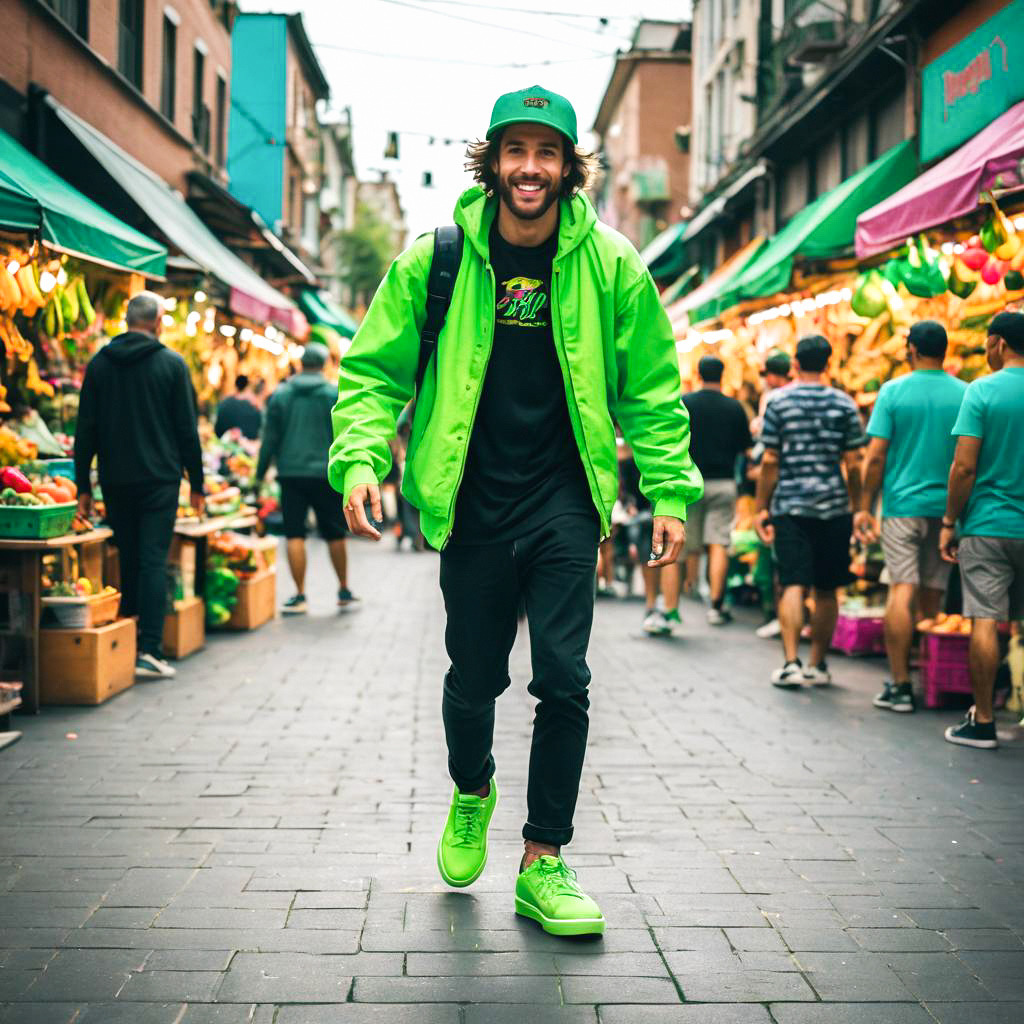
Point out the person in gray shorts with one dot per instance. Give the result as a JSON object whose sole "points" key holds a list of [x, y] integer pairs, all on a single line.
{"points": [[719, 434], [908, 457], [986, 493]]}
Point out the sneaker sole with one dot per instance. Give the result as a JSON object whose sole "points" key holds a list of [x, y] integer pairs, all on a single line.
{"points": [[294, 611], [880, 702], [456, 883], [902, 709], [962, 741], [149, 673], [574, 926]]}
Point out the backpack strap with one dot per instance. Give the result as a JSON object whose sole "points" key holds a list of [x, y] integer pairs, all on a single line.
{"points": [[444, 269]]}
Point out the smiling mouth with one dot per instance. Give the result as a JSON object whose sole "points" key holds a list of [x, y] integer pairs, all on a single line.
{"points": [[529, 188]]}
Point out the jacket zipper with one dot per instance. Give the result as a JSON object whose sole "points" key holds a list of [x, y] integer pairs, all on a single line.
{"points": [[582, 440], [472, 418]]}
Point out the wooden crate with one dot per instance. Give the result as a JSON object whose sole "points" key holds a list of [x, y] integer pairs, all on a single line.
{"points": [[185, 628], [257, 601], [86, 666]]}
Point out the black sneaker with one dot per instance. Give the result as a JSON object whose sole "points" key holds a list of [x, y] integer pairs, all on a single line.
{"points": [[903, 699], [884, 699], [346, 597], [971, 733], [790, 676], [295, 605]]}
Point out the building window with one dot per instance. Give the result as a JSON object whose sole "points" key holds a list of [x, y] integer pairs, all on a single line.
{"points": [[200, 112], [222, 105], [169, 72], [129, 40], [74, 13]]}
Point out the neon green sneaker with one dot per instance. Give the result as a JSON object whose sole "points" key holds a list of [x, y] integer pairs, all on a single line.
{"points": [[462, 851], [547, 892]]}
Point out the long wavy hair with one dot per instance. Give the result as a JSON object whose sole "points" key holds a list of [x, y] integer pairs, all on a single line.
{"points": [[482, 156]]}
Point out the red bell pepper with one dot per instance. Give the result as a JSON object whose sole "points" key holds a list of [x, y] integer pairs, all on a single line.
{"points": [[15, 479]]}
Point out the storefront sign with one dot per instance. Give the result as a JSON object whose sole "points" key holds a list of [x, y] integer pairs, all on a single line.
{"points": [[972, 83]]}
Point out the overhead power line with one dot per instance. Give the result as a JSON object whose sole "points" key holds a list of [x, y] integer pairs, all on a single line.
{"points": [[488, 24], [589, 16], [465, 63]]}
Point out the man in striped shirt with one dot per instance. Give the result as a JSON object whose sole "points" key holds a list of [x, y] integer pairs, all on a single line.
{"points": [[811, 432]]}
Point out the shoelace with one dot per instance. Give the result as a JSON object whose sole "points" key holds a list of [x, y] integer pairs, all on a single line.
{"points": [[468, 822], [555, 878]]}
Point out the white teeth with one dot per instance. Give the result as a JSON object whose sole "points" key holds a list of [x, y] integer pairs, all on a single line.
{"points": [[529, 188]]}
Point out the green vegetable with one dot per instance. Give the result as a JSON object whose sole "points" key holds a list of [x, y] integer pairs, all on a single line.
{"points": [[868, 297], [993, 234], [1014, 280], [924, 276]]}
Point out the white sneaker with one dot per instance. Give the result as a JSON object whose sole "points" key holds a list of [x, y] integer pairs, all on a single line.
{"points": [[769, 631], [719, 616], [655, 623], [149, 666], [818, 675], [790, 676]]}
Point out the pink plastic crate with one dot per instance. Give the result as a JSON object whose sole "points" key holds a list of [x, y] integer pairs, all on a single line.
{"points": [[944, 666], [855, 635]]}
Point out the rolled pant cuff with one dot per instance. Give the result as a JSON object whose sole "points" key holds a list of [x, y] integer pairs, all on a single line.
{"points": [[548, 836]]}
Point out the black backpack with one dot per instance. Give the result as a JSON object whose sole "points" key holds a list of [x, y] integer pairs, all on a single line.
{"points": [[444, 269]]}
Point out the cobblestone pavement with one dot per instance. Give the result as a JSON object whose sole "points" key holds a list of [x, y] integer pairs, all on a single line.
{"points": [[254, 841]]}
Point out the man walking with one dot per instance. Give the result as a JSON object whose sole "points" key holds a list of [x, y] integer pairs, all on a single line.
{"points": [[986, 493], [719, 435], [908, 457], [555, 332], [239, 410], [811, 433], [137, 417], [297, 436]]}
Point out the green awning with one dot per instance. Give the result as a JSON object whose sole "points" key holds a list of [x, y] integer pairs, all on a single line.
{"points": [[664, 255], [825, 229], [18, 210], [677, 289], [320, 308], [706, 301], [70, 222]]}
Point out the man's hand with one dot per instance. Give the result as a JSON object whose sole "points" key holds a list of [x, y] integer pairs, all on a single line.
{"points": [[948, 543], [197, 501], [85, 505], [355, 513], [865, 527], [667, 540], [764, 527]]}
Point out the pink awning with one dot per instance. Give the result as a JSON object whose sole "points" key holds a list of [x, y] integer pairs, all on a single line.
{"points": [[949, 189], [289, 318]]}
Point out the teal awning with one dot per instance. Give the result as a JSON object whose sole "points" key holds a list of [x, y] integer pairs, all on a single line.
{"points": [[705, 301], [825, 229], [322, 309], [677, 289], [664, 255], [67, 220]]}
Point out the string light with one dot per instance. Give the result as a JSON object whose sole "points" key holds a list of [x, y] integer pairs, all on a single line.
{"points": [[800, 307]]}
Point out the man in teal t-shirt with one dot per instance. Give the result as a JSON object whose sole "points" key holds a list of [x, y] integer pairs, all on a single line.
{"points": [[908, 457], [986, 493]]}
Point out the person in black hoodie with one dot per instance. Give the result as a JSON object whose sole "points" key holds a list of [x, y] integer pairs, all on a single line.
{"points": [[137, 416]]}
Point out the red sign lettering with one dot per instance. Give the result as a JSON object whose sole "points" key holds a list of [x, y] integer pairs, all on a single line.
{"points": [[958, 84]]}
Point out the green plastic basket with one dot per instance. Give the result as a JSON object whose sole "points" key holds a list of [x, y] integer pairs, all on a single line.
{"points": [[36, 522]]}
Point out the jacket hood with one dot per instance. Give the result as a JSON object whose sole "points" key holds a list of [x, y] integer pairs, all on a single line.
{"points": [[307, 381], [131, 347], [475, 212]]}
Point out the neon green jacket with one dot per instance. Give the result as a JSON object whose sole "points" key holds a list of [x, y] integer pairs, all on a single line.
{"points": [[615, 347]]}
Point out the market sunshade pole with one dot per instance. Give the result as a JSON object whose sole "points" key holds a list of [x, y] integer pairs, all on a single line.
{"points": [[69, 221], [947, 190]]}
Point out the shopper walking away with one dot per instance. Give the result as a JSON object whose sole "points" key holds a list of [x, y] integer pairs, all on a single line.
{"points": [[239, 411], [137, 417], [720, 434], [811, 433], [986, 493], [555, 328], [908, 458], [297, 436], [776, 374]]}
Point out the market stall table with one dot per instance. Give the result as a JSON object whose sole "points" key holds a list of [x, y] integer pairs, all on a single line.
{"points": [[21, 569], [200, 531]]}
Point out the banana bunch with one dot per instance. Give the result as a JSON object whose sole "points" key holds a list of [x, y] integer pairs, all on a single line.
{"points": [[36, 383], [31, 297], [68, 308], [10, 293], [13, 341]]}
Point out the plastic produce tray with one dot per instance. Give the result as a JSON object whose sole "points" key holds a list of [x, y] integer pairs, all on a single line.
{"points": [[36, 522]]}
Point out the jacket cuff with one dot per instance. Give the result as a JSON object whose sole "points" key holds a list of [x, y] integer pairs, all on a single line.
{"points": [[671, 506], [355, 476]]}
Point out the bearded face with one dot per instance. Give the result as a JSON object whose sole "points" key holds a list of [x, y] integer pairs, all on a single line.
{"points": [[530, 167]]}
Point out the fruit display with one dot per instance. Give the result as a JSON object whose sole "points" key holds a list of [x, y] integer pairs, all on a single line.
{"points": [[946, 624], [19, 489], [222, 499], [15, 450], [79, 588]]}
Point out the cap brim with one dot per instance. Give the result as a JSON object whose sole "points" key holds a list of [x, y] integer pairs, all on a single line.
{"points": [[525, 118]]}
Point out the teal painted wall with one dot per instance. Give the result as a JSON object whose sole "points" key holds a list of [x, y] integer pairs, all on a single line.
{"points": [[259, 48]]}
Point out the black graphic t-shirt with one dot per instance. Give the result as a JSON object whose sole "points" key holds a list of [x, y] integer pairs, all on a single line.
{"points": [[523, 466]]}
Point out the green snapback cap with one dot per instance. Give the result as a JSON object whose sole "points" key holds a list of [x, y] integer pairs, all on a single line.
{"points": [[536, 105]]}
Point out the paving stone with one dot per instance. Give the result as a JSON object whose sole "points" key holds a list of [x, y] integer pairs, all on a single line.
{"points": [[754, 939], [852, 977], [907, 940], [853, 1013], [743, 986], [605, 990], [228, 1013], [181, 986], [123, 917], [984, 939], [452, 989], [976, 1013], [286, 978], [86, 975], [40, 1013], [189, 960], [345, 920], [720, 1014], [390, 1013], [131, 1013], [495, 1013]]}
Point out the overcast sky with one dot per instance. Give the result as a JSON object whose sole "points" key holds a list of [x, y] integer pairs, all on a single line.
{"points": [[442, 97]]}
